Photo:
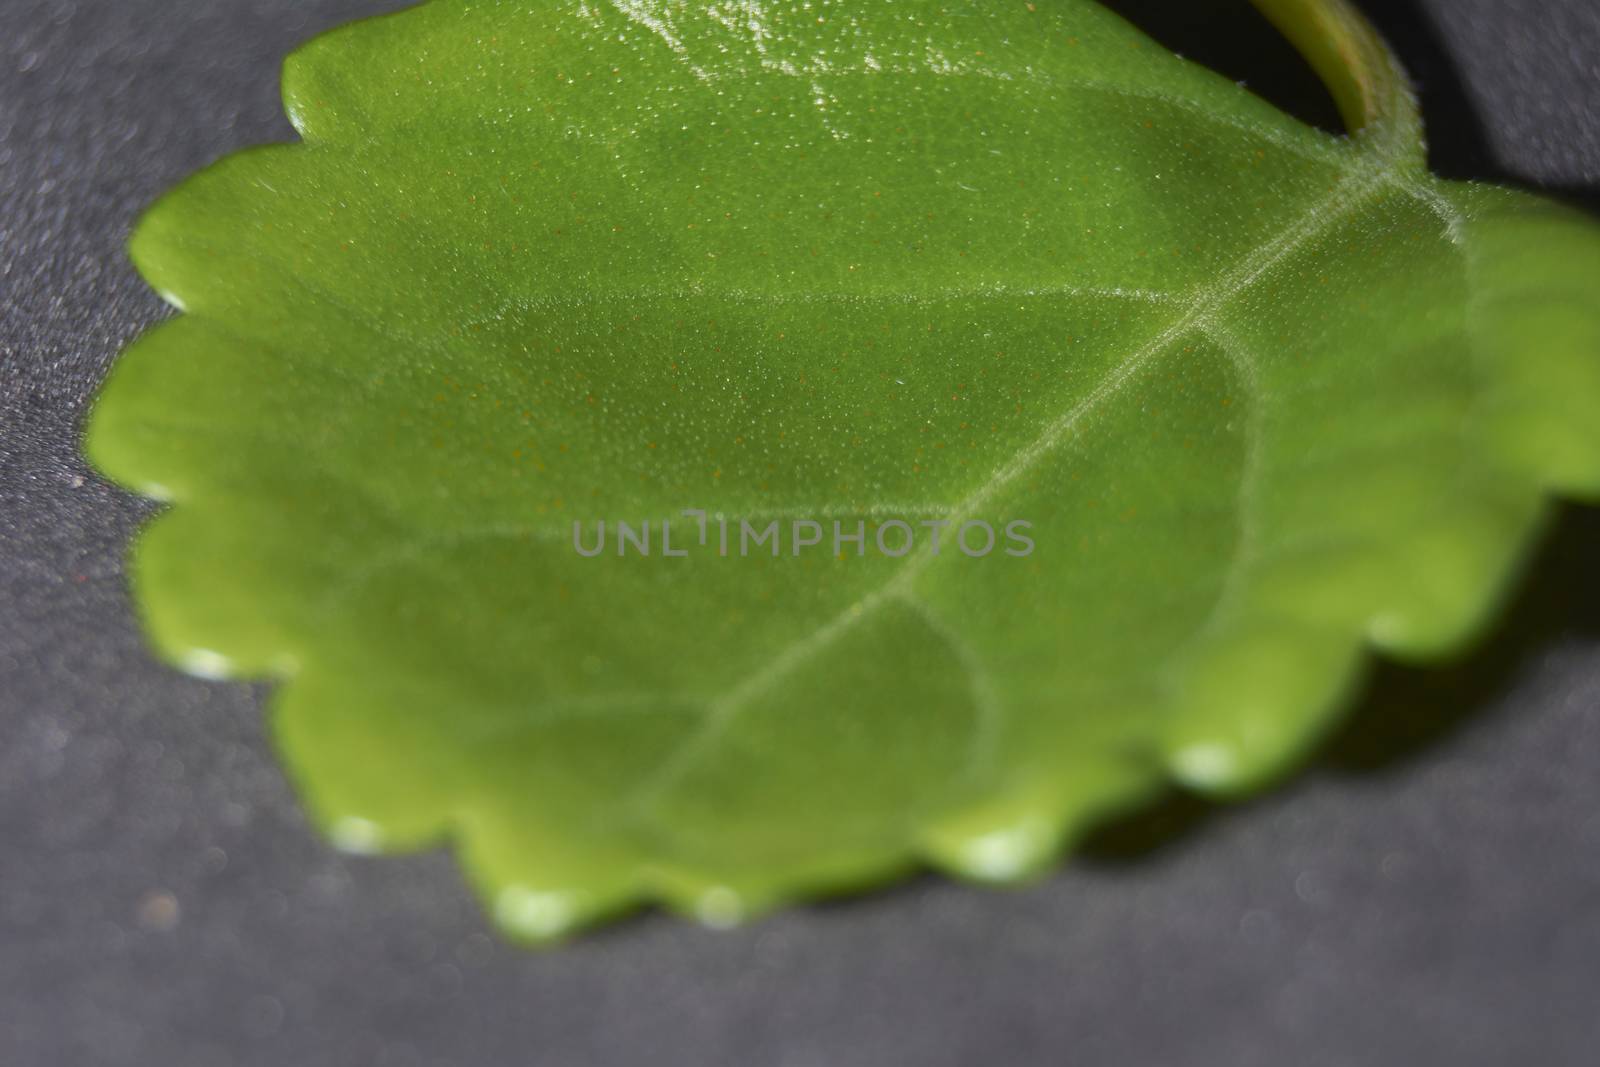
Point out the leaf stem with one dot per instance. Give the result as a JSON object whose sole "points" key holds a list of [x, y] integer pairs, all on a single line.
{"points": [[1364, 75]]}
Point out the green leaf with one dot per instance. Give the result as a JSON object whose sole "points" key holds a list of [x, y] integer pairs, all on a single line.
{"points": [[1268, 398]]}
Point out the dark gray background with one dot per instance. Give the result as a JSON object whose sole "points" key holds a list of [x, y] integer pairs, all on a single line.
{"points": [[1429, 893]]}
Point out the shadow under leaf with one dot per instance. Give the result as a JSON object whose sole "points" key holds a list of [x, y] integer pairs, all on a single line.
{"points": [[1405, 710]]}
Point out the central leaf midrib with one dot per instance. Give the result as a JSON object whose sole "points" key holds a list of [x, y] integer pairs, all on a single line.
{"points": [[1348, 196]]}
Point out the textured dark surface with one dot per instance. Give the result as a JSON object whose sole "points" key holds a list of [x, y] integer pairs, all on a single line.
{"points": [[1430, 893]]}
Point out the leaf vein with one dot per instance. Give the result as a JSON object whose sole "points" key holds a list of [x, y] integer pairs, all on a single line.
{"points": [[1347, 196]]}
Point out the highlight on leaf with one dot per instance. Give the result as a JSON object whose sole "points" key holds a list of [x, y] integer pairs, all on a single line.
{"points": [[1259, 399]]}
